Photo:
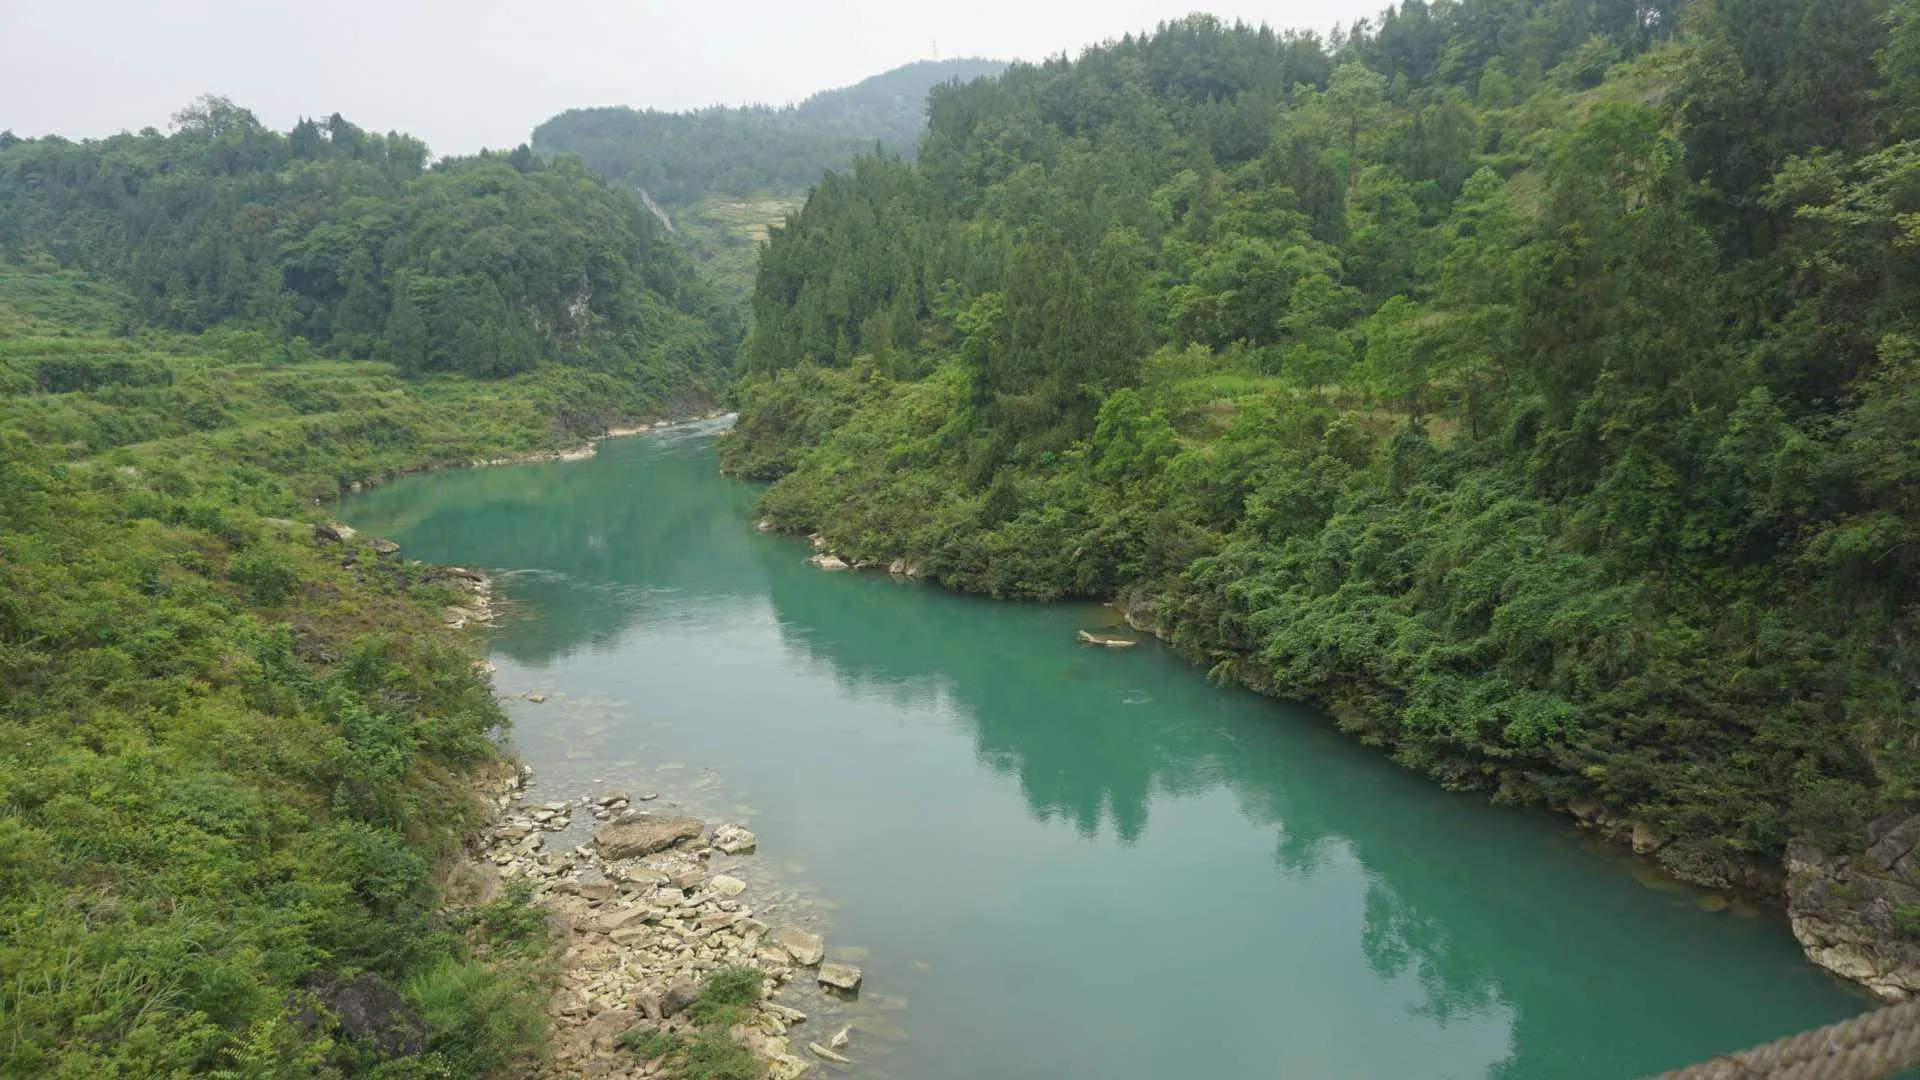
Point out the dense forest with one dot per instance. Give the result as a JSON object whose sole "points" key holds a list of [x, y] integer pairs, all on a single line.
{"points": [[238, 744], [350, 241], [722, 175], [683, 157], [1536, 386]]}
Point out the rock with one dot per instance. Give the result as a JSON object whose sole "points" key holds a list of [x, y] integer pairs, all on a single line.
{"points": [[649, 796], [726, 886], [603, 1032], [840, 1039], [898, 568], [1111, 642], [610, 798], [609, 921], [806, 949], [839, 976], [1853, 915], [369, 1011], [383, 547], [827, 560], [787, 1067], [1589, 811], [688, 879], [764, 525], [825, 1054], [643, 834], [678, 997], [784, 1012], [331, 532], [535, 698], [1647, 839], [649, 1004], [734, 840]]}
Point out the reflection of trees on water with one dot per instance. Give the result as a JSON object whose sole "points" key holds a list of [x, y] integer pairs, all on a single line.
{"points": [[1481, 908], [606, 538]]}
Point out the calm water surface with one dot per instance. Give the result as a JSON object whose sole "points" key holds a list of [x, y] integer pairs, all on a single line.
{"points": [[1059, 861]]}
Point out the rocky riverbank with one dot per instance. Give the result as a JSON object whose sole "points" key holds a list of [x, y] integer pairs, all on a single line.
{"points": [[645, 911]]}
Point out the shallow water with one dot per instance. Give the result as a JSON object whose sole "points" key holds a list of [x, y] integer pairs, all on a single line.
{"points": [[1060, 861]]}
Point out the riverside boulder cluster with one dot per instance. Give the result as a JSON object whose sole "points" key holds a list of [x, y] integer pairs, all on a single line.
{"points": [[645, 916]]}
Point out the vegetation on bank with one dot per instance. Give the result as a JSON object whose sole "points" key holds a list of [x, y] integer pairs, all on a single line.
{"points": [[351, 242], [234, 749], [1536, 387]]}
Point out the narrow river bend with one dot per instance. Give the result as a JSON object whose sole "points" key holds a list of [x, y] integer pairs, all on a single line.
{"points": [[1061, 861]]}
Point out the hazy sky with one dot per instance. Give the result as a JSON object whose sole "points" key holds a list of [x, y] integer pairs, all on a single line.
{"points": [[475, 73]]}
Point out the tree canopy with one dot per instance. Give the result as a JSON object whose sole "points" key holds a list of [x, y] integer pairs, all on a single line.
{"points": [[1533, 384], [488, 265]]}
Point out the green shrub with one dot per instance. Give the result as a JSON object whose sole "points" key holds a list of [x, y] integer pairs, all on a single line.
{"points": [[650, 1044], [264, 576]]}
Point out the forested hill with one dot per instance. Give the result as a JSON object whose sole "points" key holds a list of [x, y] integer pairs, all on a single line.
{"points": [[350, 242], [238, 744], [1537, 386], [680, 158], [724, 175]]}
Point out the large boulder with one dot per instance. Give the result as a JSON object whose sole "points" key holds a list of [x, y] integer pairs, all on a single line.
{"points": [[643, 834], [839, 976], [805, 949], [678, 997], [369, 1012]]}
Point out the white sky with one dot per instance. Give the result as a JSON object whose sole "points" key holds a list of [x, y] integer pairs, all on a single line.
{"points": [[463, 74]]}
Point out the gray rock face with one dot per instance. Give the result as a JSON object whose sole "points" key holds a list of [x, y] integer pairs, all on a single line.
{"points": [[678, 997], [644, 834], [370, 1011], [806, 949], [1853, 914], [604, 1031], [840, 976]]}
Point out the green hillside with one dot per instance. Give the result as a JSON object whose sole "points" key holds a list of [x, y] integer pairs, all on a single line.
{"points": [[237, 750], [723, 174], [1534, 387]]}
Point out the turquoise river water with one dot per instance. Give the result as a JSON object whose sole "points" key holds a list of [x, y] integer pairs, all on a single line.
{"points": [[1060, 861]]}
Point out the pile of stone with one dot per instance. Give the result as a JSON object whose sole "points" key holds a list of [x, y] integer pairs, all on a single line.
{"points": [[479, 590], [645, 919]]}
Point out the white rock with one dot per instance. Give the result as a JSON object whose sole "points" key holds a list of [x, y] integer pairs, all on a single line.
{"points": [[734, 839]]}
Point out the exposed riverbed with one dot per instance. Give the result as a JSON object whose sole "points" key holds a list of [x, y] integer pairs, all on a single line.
{"points": [[1060, 860]]}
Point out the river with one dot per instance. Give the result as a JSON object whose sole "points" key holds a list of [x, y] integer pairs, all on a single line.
{"points": [[1061, 861]]}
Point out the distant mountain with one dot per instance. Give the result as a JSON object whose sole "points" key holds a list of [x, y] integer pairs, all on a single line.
{"points": [[680, 158], [719, 176]]}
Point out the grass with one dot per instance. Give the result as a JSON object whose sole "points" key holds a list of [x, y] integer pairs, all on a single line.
{"points": [[232, 753]]}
